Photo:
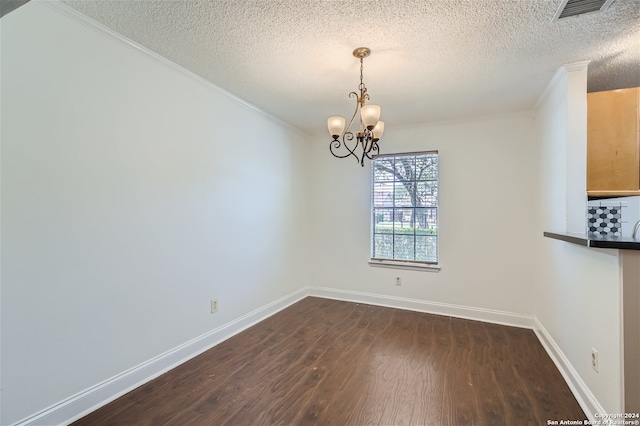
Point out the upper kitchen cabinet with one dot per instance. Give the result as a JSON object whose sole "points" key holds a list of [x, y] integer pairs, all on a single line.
{"points": [[613, 142]]}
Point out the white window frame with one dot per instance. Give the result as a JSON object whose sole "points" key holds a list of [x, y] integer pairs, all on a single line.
{"points": [[398, 263]]}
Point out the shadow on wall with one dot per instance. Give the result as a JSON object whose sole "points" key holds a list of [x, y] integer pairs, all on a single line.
{"points": [[8, 6]]}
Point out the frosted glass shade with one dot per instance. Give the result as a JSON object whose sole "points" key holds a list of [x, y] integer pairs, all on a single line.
{"points": [[370, 115], [336, 125], [378, 130]]}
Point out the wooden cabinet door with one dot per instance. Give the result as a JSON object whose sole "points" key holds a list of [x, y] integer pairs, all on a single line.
{"points": [[613, 147]]}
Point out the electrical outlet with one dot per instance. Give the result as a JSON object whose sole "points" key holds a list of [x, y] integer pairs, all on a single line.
{"points": [[398, 282], [594, 359], [214, 306]]}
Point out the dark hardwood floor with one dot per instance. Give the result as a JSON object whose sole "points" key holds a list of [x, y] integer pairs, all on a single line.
{"points": [[334, 363]]}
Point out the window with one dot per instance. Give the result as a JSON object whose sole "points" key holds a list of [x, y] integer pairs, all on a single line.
{"points": [[405, 208]]}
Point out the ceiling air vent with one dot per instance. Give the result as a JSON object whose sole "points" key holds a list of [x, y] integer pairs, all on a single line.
{"points": [[580, 7]]}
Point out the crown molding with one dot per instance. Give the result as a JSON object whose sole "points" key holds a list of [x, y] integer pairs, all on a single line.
{"points": [[107, 32], [560, 73], [577, 66]]}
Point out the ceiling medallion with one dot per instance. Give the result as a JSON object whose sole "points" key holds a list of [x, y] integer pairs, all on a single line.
{"points": [[370, 127]]}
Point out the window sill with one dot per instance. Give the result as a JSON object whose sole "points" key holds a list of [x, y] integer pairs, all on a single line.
{"points": [[404, 265]]}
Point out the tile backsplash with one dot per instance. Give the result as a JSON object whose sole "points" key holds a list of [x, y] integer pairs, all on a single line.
{"points": [[613, 216], [605, 221]]}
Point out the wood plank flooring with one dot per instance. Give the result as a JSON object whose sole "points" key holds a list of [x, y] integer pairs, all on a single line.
{"points": [[329, 362]]}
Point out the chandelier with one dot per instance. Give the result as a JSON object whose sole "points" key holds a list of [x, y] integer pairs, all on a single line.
{"points": [[370, 128]]}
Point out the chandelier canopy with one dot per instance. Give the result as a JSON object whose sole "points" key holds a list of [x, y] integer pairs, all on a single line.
{"points": [[370, 128]]}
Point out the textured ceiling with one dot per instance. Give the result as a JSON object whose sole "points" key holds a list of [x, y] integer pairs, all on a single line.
{"points": [[431, 60]]}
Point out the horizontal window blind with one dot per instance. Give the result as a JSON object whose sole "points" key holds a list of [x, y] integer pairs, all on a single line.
{"points": [[404, 206]]}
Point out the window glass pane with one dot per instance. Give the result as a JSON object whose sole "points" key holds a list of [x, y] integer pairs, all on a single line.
{"points": [[383, 194], [404, 247], [403, 223], [432, 220], [403, 194], [383, 169], [427, 221], [421, 225], [427, 167], [382, 221], [427, 194], [383, 246], [427, 248], [405, 168]]}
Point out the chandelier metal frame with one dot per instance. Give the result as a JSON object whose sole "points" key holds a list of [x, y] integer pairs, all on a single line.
{"points": [[368, 134]]}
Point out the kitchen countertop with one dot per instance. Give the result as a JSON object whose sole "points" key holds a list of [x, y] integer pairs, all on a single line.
{"points": [[597, 241]]}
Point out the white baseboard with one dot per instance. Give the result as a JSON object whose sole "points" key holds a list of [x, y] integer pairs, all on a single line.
{"points": [[458, 311], [81, 404], [581, 392]]}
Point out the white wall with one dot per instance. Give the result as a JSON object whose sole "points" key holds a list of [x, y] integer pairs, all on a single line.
{"points": [[577, 289], [631, 307], [576, 142], [487, 178], [132, 194]]}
